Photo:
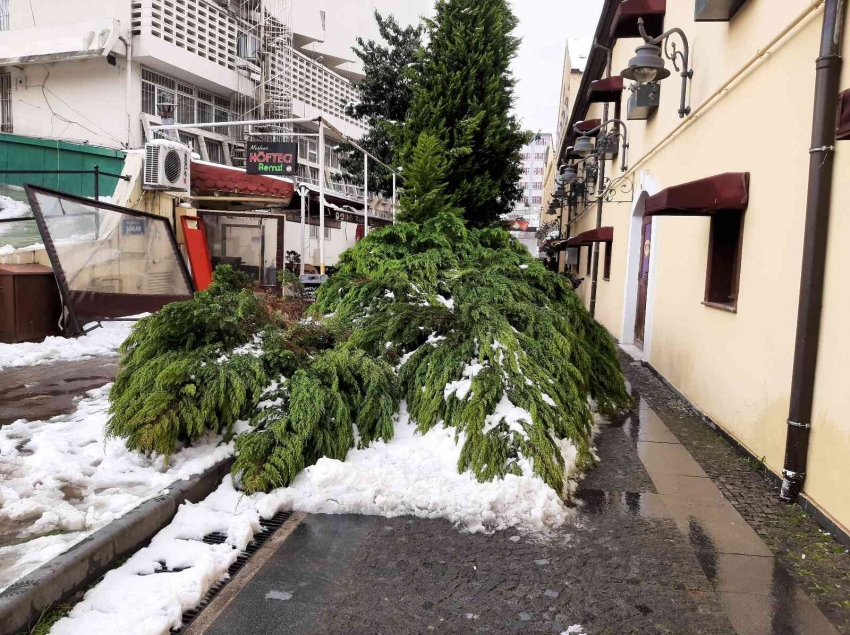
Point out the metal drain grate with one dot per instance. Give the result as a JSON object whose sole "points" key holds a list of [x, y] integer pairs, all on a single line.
{"points": [[260, 538]]}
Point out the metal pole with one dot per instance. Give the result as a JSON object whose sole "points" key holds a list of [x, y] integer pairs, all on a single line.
{"points": [[228, 124], [97, 183], [322, 196], [813, 268], [394, 193], [365, 195], [304, 196]]}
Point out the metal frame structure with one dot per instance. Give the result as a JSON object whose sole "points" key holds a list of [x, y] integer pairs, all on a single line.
{"points": [[50, 247]]}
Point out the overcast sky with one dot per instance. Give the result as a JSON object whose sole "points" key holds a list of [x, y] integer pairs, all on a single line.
{"points": [[545, 26]]}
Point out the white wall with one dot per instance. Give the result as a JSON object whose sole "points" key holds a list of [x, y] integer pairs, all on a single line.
{"points": [[78, 100]]}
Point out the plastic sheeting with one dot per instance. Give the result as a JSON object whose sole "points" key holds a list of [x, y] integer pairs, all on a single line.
{"points": [[110, 262]]}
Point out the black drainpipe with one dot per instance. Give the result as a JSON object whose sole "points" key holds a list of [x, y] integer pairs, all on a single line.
{"points": [[822, 156]]}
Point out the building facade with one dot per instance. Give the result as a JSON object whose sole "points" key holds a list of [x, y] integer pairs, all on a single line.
{"points": [[702, 236], [104, 74]]}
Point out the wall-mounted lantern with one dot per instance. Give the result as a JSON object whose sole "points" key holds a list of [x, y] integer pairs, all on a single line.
{"points": [[647, 66], [585, 147]]}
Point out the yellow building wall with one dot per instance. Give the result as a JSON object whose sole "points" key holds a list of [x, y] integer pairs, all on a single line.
{"points": [[736, 367]]}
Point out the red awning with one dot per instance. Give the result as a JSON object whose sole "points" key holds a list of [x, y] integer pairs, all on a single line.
{"points": [[219, 179], [702, 198], [598, 235], [626, 18], [842, 132], [606, 90]]}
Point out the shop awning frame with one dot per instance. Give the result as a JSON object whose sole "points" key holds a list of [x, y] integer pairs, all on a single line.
{"points": [[606, 90], [703, 197], [598, 235], [625, 24]]}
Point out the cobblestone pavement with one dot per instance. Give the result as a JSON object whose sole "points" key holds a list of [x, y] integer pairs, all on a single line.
{"points": [[788, 531], [654, 547], [48, 390]]}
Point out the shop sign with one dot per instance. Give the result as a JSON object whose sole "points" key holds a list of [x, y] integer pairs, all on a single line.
{"points": [[272, 159]]}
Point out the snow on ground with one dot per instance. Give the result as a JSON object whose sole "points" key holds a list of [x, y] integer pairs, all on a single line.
{"points": [[411, 475], [61, 480], [10, 208], [148, 594], [104, 340], [417, 475]]}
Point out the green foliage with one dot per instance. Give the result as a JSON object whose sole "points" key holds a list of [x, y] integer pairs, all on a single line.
{"points": [[463, 95], [312, 414], [448, 304], [385, 97], [425, 183]]}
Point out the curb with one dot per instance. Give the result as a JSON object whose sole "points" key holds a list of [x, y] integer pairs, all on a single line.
{"points": [[22, 603]]}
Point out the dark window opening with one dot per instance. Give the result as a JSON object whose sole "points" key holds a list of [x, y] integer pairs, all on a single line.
{"points": [[589, 259], [724, 259], [606, 272]]}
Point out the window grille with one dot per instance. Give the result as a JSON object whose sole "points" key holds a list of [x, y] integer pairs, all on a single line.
{"points": [[6, 102]]}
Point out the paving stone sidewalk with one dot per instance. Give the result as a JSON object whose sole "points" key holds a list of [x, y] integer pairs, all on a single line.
{"points": [[40, 392], [654, 548], [788, 532]]}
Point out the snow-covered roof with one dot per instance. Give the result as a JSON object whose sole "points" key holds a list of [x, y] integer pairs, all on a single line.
{"points": [[579, 51]]}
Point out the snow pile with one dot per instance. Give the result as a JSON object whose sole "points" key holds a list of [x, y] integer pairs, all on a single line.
{"points": [[417, 475], [148, 594], [10, 208], [62, 477], [101, 341]]}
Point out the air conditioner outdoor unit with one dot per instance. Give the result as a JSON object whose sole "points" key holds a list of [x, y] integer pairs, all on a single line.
{"points": [[167, 166]]}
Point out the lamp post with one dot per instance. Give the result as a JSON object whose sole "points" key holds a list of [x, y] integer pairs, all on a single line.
{"points": [[648, 64], [583, 142]]}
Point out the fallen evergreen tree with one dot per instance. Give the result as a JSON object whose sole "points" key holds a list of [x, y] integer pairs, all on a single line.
{"points": [[463, 323], [440, 310]]}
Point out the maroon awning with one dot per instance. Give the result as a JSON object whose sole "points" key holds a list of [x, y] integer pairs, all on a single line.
{"points": [[606, 90], [626, 18], [728, 191], [842, 132], [598, 235]]}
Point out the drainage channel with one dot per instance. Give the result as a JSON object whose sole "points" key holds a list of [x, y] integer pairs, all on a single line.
{"points": [[269, 527]]}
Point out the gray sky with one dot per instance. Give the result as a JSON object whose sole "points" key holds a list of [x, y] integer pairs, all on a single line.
{"points": [[545, 26]]}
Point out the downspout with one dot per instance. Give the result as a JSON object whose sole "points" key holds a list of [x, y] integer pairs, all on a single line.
{"points": [[600, 193], [128, 98], [821, 163]]}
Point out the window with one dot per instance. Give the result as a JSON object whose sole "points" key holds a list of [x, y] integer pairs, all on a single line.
{"points": [[536, 200], [526, 170], [538, 170], [539, 156], [314, 231], [606, 272], [327, 233], [215, 151], [541, 141], [724, 259], [4, 15], [5, 102], [538, 185], [523, 185]]}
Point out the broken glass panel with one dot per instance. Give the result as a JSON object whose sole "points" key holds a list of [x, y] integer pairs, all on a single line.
{"points": [[110, 262]]}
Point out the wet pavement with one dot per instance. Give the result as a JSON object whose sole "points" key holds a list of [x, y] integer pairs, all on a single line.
{"points": [[41, 392], [655, 547]]}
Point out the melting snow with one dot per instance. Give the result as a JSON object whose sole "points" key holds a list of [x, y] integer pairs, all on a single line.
{"points": [[62, 476], [148, 594], [417, 475], [462, 387], [448, 303], [101, 341], [511, 414]]}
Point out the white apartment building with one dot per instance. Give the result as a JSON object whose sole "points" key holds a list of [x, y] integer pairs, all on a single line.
{"points": [[100, 72], [535, 155]]}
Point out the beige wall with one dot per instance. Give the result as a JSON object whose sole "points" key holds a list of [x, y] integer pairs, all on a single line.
{"points": [[736, 367]]}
